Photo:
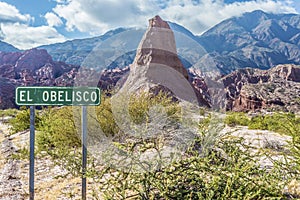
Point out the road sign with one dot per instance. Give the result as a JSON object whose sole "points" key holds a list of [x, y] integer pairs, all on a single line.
{"points": [[79, 96], [57, 96]]}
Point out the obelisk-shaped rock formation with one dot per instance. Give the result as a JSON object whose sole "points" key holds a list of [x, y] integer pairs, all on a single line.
{"points": [[158, 47], [157, 67]]}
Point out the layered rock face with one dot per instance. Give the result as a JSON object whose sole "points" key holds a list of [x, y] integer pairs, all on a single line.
{"points": [[31, 67], [34, 67], [274, 89], [157, 66]]}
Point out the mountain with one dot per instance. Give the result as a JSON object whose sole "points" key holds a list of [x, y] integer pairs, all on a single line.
{"points": [[256, 39], [7, 88], [31, 67], [228, 52], [80, 51], [5, 47], [116, 48]]}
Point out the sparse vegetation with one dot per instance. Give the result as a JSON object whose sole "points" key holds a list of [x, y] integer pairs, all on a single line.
{"points": [[213, 167], [278, 122], [275, 122], [8, 113], [237, 118], [21, 121], [57, 136], [226, 173]]}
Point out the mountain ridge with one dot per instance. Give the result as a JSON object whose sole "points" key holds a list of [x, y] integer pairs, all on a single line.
{"points": [[262, 45], [6, 47], [255, 39]]}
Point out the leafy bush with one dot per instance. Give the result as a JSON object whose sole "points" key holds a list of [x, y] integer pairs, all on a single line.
{"points": [[140, 104], [292, 128], [236, 118], [8, 113], [57, 129], [105, 117], [258, 122], [227, 172], [21, 121], [218, 170], [57, 136], [274, 122]]}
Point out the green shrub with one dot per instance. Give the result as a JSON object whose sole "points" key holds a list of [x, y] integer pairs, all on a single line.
{"points": [[292, 128], [105, 117], [140, 104], [258, 122], [21, 121], [226, 173], [57, 129], [273, 122], [8, 113], [57, 136], [22, 154], [236, 118]]}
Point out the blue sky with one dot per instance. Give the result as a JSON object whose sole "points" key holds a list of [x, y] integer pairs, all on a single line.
{"points": [[31, 23]]}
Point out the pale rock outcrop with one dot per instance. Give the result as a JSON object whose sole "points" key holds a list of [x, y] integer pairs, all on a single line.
{"points": [[158, 67]]}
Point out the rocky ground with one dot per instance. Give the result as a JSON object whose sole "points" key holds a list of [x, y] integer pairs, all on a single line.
{"points": [[10, 184], [14, 174], [262, 140]]}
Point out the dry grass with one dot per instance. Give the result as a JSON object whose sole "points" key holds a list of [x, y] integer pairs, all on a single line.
{"points": [[49, 187], [61, 188], [293, 188]]}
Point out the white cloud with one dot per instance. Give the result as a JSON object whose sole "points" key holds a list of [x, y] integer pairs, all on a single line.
{"points": [[53, 19], [98, 16], [9, 13], [199, 17], [24, 37], [61, 1], [16, 28]]}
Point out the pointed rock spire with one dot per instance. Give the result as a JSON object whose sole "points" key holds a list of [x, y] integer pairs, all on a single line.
{"points": [[158, 47], [158, 22], [157, 67]]}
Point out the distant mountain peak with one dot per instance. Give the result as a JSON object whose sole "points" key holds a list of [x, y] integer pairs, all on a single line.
{"points": [[5, 47], [256, 13], [256, 39]]}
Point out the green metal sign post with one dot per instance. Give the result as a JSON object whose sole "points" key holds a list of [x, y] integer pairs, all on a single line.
{"points": [[58, 96], [31, 149]]}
